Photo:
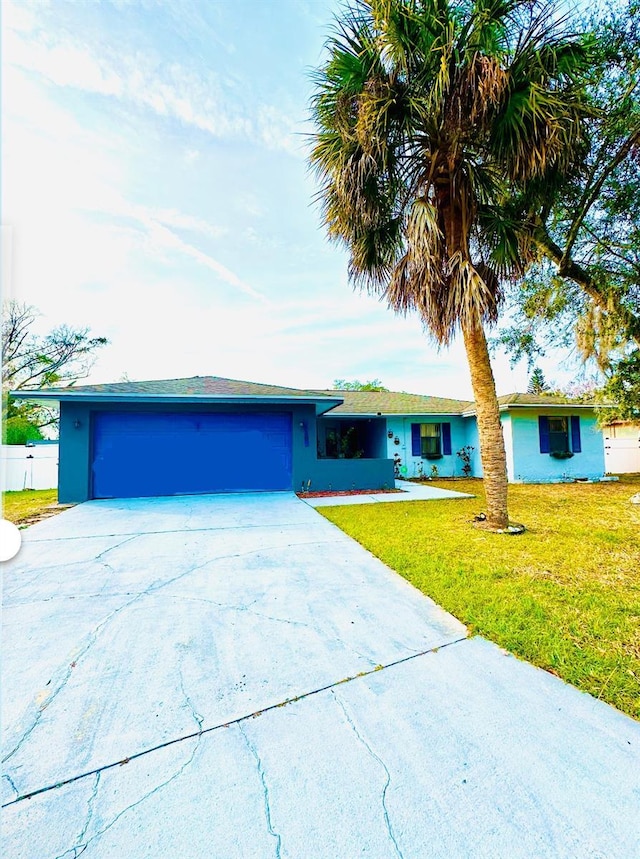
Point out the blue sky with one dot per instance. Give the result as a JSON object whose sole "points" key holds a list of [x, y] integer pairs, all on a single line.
{"points": [[155, 188]]}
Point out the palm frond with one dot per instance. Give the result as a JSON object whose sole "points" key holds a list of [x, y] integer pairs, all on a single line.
{"points": [[438, 123]]}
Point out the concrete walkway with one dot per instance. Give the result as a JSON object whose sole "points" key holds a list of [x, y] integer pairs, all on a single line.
{"points": [[232, 676], [410, 492]]}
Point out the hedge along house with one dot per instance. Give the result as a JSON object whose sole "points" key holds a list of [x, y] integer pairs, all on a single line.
{"points": [[199, 435], [207, 434]]}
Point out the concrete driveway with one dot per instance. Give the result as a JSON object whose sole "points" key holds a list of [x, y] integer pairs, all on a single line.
{"points": [[231, 676]]}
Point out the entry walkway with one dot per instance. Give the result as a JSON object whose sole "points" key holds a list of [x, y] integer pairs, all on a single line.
{"points": [[410, 492]]}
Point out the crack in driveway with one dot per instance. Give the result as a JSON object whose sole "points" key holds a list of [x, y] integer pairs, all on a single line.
{"points": [[237, 721], [382, 764], [65, 673], [67, 669], [172, 531], [82, 842], [79, 848], [267, 803]]}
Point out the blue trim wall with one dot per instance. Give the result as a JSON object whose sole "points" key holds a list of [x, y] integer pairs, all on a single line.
{"points": [[345, 474], [524, 461], [75, 441], [76, 454]]}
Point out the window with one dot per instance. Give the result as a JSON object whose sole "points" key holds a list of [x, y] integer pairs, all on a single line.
{"points": [[431, 441], [559, 436], [341, 440]]}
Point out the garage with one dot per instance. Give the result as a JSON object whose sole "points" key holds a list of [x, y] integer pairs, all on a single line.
{"points": [[136, 454], [198, 435]]}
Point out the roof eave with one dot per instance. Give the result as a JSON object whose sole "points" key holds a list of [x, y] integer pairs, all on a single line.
{"points": [[555, 406], [506, 406], [322, 404], [404, 414]]}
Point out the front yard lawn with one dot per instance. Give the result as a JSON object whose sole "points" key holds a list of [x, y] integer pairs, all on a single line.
{"points": [[30, 505], [565, 595]]}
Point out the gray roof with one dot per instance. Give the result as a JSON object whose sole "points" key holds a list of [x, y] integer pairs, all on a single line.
{"points": [[393, 403], [218, 389], [195, 389], [195, 386]]}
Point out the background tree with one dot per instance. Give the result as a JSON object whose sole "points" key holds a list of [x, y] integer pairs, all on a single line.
{"points": [[31, 362], [537, 383], [623, 390], [356, 385], [584, 289], [432, 116]]}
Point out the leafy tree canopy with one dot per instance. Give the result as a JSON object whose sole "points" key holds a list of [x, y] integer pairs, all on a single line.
{"points": [[32, 362], [584, 289], [20, 430], [623, 390], [355, 385]]}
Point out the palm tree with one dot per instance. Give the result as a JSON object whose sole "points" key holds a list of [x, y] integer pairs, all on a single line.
{"points": [[431, 117]]}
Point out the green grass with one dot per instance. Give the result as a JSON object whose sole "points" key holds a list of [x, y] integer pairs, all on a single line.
{"points": [[565, 595], [20, 507]]}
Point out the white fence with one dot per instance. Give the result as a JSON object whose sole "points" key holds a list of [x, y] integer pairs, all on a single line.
{"points": [[622, 449], [29, 466]]}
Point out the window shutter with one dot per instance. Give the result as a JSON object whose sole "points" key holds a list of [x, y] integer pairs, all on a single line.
{"points": [[543, 429], [416, 449], [446, 439], [576, 445]]}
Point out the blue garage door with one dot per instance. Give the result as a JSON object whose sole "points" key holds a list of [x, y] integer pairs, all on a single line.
{"points": [[183, 454]]}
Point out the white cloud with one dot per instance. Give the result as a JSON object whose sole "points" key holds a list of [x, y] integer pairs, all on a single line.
{"points": [[58, 172], [248, 204], [19, 17], [197, 99], [163, 282]]}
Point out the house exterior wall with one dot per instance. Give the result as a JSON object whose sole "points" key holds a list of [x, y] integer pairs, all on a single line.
{"points": [[531, 466], [400, 426], [75, 441], [507, 434], [472, 439], [76, 454], [345, 474], [74, 463]]}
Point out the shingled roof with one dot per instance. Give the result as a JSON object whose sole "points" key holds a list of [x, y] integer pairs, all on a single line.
{"points": [[216, 388], [392, 403], [201, 389], [195, 386]]}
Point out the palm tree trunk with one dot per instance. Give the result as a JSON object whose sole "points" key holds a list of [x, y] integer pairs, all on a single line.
{"points": [[492, 451]]}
